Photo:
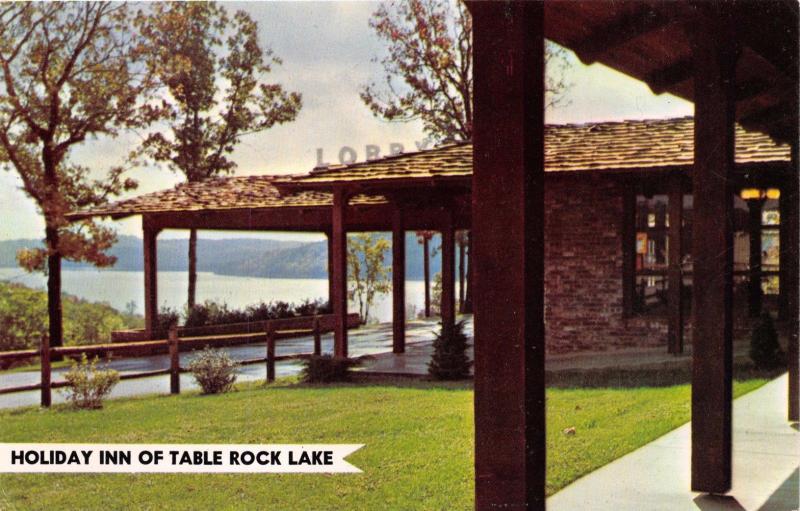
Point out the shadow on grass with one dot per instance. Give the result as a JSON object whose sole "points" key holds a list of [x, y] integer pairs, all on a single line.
{"points": [[563, 379]]}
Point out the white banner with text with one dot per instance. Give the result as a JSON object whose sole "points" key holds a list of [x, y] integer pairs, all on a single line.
{"points": [[177, 458]]}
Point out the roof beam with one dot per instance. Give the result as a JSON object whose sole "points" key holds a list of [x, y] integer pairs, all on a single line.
{"points": [[621, 30], [771, 33], [751, 89], [769, 115], [665, 78]]}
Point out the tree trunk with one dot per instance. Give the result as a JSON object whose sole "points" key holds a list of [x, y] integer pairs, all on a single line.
{"points": [[190, 302], [427, 271], [468, 293], [54, 290]]}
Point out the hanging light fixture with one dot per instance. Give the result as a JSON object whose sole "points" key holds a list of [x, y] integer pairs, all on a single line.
{"points": [[759, 193]]}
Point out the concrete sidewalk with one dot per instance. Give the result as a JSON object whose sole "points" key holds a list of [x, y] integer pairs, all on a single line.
{"points": [[657, 476]]}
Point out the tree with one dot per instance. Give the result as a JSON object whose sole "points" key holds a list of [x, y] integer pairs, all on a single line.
{"points": [[428, 69], [212, 69], [449, 360], [69, 72], [424, 239], [367, 274]]}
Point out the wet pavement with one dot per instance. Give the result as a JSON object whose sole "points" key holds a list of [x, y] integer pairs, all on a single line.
{"points": [[366, 340]]}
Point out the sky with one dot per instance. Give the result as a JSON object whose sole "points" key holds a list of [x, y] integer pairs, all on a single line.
{"points": [[328, 52]]}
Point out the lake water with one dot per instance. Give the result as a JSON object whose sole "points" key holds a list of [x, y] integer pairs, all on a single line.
{"points": [[118, 288]]}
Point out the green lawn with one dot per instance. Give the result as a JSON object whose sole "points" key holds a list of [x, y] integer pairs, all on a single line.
{"points": [[418, 436]]}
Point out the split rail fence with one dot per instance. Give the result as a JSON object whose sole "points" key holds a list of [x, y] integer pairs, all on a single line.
{"points": [[173, 343]]}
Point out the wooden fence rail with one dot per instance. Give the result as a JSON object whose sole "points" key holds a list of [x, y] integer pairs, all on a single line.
{"points": [[174, 344]]}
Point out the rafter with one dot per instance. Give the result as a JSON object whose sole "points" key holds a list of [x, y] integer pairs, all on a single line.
{"points": [[621, 30], [664, 78]]}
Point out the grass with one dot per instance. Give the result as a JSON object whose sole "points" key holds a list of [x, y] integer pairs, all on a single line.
{"points": [[418, 436]]}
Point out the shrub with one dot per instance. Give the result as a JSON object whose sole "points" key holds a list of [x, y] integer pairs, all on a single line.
{"points": [[87, 385], [326, 369], [449, 360], [214, 370], [215, 313], [166, 318], [765, 351], [312, 308]]}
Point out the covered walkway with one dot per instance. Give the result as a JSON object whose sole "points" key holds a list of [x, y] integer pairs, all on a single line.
{"points": [[766, 457]]}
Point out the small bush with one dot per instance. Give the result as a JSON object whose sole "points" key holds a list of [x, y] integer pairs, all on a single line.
{"points": [[214, 370], [326, 369], [88, 386], [449, 360], [167, 317], [765, 351], [215, 313]]}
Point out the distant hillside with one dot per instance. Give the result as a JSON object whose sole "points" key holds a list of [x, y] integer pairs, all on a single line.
{"points": [[239, 257]]}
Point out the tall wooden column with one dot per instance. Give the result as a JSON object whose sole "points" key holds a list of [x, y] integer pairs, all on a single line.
{"points": [[712, 251], [628, 249], [462, 255], [675, 273], [448, 305], [329, 238], [508, 262], [789, 281], [468, 293], [398, 281], [426, 265], [754, 294], [339, 242], [150, 278]]}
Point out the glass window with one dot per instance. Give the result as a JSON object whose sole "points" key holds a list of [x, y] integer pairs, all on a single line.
{"points": [[652, 253]]}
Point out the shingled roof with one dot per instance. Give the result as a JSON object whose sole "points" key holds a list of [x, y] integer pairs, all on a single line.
{"points": [[219, 193], [626, 145]]}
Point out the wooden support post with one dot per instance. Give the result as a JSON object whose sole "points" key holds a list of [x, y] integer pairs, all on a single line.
{"points": [[789, 281], [628, 250], [329, 237], [398, 282], [270, 352], [754, 294], [317, 337], [470, 273], [675, 272], [150, 279], [46, 376], [426, 253], [712, 250], [462, 249], [339, 236], [174, 361], [508, 254], [448, 305]]}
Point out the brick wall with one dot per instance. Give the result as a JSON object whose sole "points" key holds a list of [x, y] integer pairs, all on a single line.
{"points": [[583, 270]]}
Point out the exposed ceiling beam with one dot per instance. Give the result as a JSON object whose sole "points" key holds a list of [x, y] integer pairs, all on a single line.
{"points": [[770, 115], [771, 31], [663, 79], [752, 88], [621, 30]]}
